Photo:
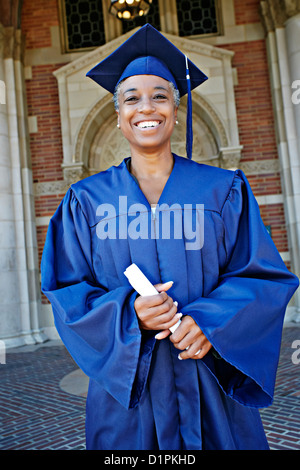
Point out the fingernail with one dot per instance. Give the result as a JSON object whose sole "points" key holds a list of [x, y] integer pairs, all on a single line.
{"points": [[179, 357], [178, 315], [167, 283], [176, 303]]}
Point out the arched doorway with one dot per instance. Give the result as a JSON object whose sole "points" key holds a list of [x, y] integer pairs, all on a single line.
{"points": [[100, 144]]}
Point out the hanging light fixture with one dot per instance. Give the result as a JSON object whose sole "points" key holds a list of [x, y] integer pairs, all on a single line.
{"points": [[129, 9]]}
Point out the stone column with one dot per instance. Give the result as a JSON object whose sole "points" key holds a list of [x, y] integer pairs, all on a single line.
{"points": [[19, 282], [168, 16], [292, 35], [281, 19]]}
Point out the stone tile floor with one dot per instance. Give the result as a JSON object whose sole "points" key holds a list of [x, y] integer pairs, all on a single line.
{"points": [[37, 414]]}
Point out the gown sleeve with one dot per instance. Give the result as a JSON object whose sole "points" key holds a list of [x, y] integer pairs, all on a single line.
{"points": [[243, 316], [98, 327]]}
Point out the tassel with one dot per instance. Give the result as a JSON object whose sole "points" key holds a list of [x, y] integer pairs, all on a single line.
{"points": [[189, 117]]}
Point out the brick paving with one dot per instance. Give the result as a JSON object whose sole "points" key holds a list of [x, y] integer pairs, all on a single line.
{"points": [[36, 414], [282, 419]]}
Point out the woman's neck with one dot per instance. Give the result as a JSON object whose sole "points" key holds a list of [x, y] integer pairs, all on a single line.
{"points": [[154, 165], [152, 173]]}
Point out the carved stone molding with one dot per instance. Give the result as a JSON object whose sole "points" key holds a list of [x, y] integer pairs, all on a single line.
{"points": [[292, 7], [12, 43], [274, 13], [92, 115], [49, 188], [259, 167], [74, 172], [230, 157]]}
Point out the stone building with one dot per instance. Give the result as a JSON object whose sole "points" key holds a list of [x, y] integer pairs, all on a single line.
{"points": [[56, 126]]}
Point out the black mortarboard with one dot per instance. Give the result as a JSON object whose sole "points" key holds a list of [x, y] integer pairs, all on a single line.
{"points": [[148, 52]]}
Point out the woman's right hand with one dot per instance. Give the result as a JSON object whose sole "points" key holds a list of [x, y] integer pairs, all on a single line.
{"points": [[157, 312]]}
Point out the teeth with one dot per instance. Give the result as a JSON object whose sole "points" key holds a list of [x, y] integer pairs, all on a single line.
{"points": [[146, 124]]}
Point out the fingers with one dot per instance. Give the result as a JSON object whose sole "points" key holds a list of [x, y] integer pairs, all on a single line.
{"points": [[190, 339], [166, 332], [164, 287], [163, 334], [156, 312], [150, 300], [162, 312], [164, 322], [195, 352]]}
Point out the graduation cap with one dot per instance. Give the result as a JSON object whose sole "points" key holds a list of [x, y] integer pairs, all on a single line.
{"points": [[148, 52]]}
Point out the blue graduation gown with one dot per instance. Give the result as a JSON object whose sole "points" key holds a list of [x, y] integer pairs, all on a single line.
{"points": [[234, 285]]}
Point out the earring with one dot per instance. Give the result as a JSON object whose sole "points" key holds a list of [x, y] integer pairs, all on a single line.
{"points": [[176, 122], [118, 126]]}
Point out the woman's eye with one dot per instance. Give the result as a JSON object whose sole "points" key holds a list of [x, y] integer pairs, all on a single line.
{"points": [[134, 98], [131, 99], [160, 97]]}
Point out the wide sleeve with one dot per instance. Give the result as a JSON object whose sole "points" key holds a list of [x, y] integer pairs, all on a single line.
{"points": [[98, 327], [243, 316]]}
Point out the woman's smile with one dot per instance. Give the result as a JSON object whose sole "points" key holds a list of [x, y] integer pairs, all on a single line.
{"points": [[147, 124]]}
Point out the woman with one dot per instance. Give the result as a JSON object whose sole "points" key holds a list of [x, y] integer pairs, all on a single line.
{"points": [[199, 387]]}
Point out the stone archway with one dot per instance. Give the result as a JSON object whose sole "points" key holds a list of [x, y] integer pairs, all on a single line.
{"points": [[100, 144], [109, 147]]}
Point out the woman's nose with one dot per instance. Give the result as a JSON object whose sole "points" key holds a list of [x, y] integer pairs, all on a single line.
{"points": [[146, 105]]}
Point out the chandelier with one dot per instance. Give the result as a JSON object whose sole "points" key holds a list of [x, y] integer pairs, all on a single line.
{"points": [[129, 9]]}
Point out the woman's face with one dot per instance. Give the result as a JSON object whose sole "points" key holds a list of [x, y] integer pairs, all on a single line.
{"points": [[147, 112]]}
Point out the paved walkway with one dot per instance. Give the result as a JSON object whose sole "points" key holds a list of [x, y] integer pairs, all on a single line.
{"points": [[39, 410]]}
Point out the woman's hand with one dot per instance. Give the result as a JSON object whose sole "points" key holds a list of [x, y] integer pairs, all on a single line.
{"points": [[157, 312], [190, 339]]}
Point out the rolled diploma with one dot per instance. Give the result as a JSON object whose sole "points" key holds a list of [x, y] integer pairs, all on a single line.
{"points": [[143, 286]]}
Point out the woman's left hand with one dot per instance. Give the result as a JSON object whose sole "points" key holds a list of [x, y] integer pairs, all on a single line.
{"points": [[190, 339]]}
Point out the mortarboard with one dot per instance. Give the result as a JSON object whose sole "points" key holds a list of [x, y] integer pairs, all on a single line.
{"points": [[148, 52]]}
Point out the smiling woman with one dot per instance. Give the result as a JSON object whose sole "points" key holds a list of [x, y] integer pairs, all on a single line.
{"points": [[230, 290]]}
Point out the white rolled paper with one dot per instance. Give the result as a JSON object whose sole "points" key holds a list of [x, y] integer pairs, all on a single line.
{"points": [[143, 286]]}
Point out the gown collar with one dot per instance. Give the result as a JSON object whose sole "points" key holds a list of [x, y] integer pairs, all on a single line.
{"points": [[126, 164]]}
